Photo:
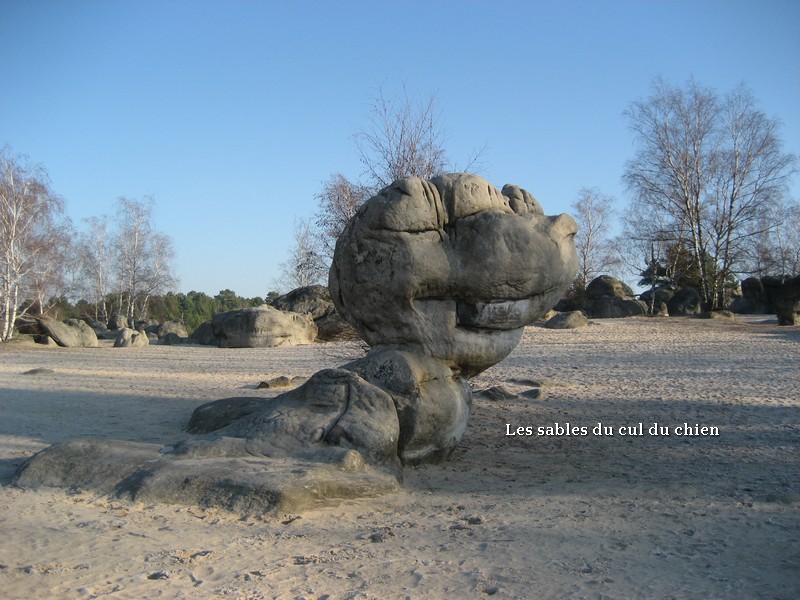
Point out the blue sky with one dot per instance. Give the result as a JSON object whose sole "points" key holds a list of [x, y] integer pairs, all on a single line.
{"points": [[232, 114]]}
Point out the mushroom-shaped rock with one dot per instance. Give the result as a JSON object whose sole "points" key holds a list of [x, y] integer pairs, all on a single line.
{"points": [[440, 277]]}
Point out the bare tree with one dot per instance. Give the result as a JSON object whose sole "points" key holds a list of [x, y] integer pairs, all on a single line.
{"points": [[710, 166], [158, 276], [141, 257], [29, 213], [338, 202], [306, 265], [94, 250], [404, 138], [775, 242], [593, 211], [53, 276]]}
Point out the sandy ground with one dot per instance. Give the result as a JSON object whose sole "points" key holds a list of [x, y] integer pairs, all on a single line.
{"points": [[509, 516]]}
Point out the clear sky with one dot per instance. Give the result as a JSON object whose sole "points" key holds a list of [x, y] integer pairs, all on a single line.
{"points": [[232, 114]]}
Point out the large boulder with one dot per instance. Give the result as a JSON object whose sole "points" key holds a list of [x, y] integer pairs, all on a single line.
{"points": [[785, 297], [204, 335], [131, 338], [72, 333], [452, 268], [315, 301], [176, 327], [605, 285], [753, 300], [686, 301], [567, 320], [610, 298], [656, 300], [440, 277], [262, 327]]}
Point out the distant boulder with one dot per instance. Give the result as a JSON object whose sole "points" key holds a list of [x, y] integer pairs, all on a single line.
{"points": [[753, 300], [72, 333], [609, 298], [786, 299], [131, 338], [117, 321], [657, 299], [262, 327], [173, 339], [176, 327], [614, 307], [204, 335], [605, 285], [146, 325], [315, 301], [686, 301], [567, 320]]}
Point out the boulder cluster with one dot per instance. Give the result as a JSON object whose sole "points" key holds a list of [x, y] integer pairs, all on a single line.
{"points": [[770, 295], [302, 316], [608, 298]]}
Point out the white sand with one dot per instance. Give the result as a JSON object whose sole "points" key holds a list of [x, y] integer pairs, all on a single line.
{"points": [[507, 516]]}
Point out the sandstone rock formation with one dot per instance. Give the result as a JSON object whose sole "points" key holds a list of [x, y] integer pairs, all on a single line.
{"points": [[70, 334], [315, 301], [439, 277], [686, 301], [262, 327], [176, 327], [609, 298], [131, 338], [567, 320]]}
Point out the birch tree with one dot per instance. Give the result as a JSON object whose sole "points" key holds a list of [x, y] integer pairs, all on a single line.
{"points": [[593, 211], [709, 165], [94, 249], [306, 265], [141, 257], [29, 218]]}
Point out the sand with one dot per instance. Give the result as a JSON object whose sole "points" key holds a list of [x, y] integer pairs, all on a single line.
{"points": [[508, 516]]}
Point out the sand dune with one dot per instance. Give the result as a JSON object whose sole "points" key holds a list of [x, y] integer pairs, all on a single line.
{"points": [[618, 515]]}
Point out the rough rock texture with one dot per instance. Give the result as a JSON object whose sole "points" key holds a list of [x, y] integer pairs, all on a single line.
{"points": [[71, 334], [449, 269], [567, 320], [686, 301], [229, 479], [656, 300], [605, 285], [262, 327], [204, 335], [315, 301], [173, 339], [609, 298], [439, 277], [131, 338], [176, 327]]}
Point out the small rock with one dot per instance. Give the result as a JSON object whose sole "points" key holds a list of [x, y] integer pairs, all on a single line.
{"points": [[473, 519], [39, 371], [159, 575], [496, 392]]}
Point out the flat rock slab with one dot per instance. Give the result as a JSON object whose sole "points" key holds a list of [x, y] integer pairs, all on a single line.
{"points": [[245, 485]]}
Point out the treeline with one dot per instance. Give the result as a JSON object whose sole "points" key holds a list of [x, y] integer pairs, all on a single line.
{"points": [[118, 263], [192, 308]]}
